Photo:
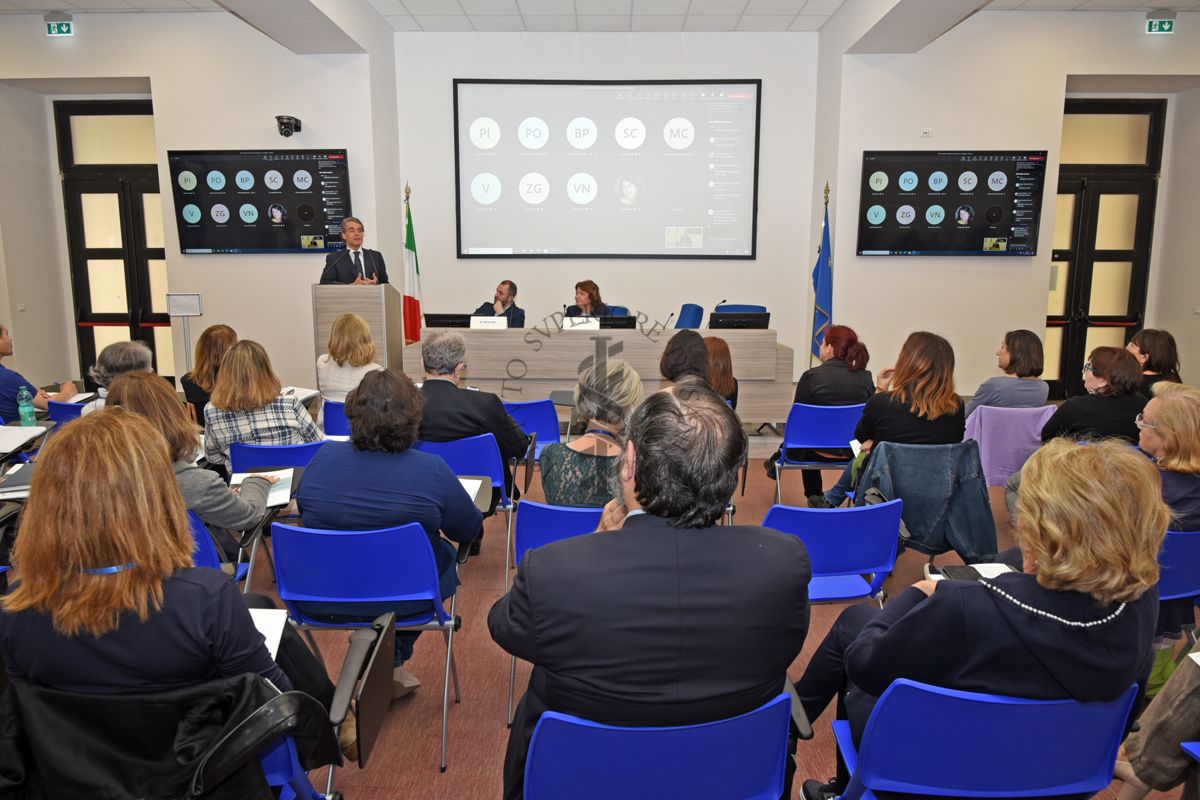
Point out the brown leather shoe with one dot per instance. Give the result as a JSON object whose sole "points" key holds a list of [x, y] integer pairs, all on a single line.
{"points": [[348, 736], [403, 683]]}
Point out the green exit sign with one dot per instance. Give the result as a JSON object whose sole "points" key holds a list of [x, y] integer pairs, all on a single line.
{"points": [[1160, 26], [60, 29]]}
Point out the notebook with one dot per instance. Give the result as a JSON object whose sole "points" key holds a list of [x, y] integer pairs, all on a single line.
{"points": [[15, 484], [280, 494]]}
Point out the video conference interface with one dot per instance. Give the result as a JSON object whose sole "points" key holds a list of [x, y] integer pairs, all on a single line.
{"points": [[916, 203], [562, 169], [288, 201]]}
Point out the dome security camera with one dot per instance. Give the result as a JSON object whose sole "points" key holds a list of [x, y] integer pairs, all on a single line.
{"points": [[288, 125]]}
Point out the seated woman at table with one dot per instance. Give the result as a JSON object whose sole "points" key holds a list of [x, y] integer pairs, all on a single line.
{"points": [[580, 472], [113, 362], [108, 601], [247, 406], [376, 480], [1021, 357], [1077, 623], [221, 508], [210, 349], [1158, 356], [720, 370], [351, 356], [587, 301]]}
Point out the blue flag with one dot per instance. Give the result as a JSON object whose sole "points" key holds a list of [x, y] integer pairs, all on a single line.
{"points": [[822, 276]]}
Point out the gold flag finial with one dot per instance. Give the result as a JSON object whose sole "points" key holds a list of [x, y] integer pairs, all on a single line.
{"points": [[827, 193], [408, 191]]}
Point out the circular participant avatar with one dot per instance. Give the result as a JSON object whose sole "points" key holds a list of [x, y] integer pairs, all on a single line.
{"points": [[484, 133], [905, 215], [485, 188], [994, 214], [935, 215], [191, 214], [244, 179], [582, 188], [581, 133], [968, 181], [302, 179], [938, 181], [908, 181], [305, 212], [248, 213], [216, 181], [276, 213], [997, 181], [533, 133], [679, 133], [187, 180], [876, 215], [878, 181], [533, 188], [963, 215], [273, 180], [630, 133], [219, 213]]}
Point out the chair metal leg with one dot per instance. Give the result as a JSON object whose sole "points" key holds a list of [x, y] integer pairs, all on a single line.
{"points": [[312, 642], [446, 691], [250, 569], [729, 512], [453, 673], [512, 688], [778, 484], [508, 549], [328, 782]]}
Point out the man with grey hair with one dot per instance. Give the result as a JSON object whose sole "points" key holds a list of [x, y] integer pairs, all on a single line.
{"points": [[454, 412], [356, 264], [113, 362]]}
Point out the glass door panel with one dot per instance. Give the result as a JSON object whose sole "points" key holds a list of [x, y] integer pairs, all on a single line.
{"points": [[106, 286], [1052, 367], [1116, 222], [1056, 300], [101, 220], [1110, 288]]}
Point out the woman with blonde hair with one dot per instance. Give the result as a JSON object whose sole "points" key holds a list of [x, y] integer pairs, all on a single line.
{"points": [[247, 406], [1077, 623], [915, 403], [580, 472], [210, 349], [351, 356], [220, 508]]}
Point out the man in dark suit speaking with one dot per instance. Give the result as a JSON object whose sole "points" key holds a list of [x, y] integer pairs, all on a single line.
{"points": [[356, 264], [663, 617]]}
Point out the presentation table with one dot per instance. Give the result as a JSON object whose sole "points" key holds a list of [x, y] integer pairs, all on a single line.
{"points": [[523, 364]]}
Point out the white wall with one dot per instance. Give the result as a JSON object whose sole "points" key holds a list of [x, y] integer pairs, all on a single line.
{"points": [[997, 81], [217, 84], [786, 63], [32, 251]]}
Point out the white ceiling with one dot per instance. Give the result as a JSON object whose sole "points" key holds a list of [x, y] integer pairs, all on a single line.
{"points": [[592, 15]]}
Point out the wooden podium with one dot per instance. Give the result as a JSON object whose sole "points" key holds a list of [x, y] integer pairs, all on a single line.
{"points": [[378, 305]]}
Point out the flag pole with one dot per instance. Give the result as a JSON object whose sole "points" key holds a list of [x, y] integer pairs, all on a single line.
{"points": [[811, 357]]}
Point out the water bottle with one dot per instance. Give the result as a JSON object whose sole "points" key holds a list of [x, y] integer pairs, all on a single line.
{"points": [[25, 406]]}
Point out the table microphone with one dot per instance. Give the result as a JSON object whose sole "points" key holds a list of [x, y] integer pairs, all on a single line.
{"points": [[669, 318]]}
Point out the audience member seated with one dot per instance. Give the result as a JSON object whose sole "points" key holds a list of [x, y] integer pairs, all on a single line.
{"points": [[108, 601], [670, 619], [114, 361], [210, 349], [376, 480], [504, 304], [1077, 623], [915, 404], [1169, 432], [841, 379], [11, 383], [587, 301], [720, 370], [1020, 356], [581, 472], [247, 406], [684, 358], [351, 356], [221, 508], [1156, 353], [1152, 757], [453, 412], [1112, 378]]}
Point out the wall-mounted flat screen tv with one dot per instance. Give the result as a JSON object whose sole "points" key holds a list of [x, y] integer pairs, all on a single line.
{"points": [[969, 203], [260, 201], [606, 169]]}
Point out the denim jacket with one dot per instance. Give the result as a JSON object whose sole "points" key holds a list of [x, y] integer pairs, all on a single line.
{"points": [[945, 496]]}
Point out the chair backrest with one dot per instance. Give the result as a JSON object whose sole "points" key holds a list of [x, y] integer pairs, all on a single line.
{"points": [[244, 457], [1179, 561], [843, 541], [539, 524], [206, 550], [64, 412], [1007, 438], [739, 308], [537, 416], [618, 311], [474, 455], [690, 316], [336, 423], [389, 565], [985, 745], [741, 758], [811, 426]]}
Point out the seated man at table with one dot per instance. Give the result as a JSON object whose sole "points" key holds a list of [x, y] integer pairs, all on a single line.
{"points": [[11, 383], [504, 304], [665, 618], [453, 412]]}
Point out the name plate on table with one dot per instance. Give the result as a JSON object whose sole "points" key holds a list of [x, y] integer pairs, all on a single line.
{"points": [[488, 323], [581, 323]]}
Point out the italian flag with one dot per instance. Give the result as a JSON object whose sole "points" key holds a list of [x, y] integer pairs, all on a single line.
{"points": [[412, 281]]}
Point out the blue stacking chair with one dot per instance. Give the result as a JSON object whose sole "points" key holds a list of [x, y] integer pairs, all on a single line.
{"points": [[391, 565], [64, 412], [281, 766], [982, 745], [336, 423], [1179, 576], [815, 428], [690, 316], [537, 416], [539, 524], [206, 550], [742, 758], [618, 311], [479, 455], [739, 308], [1192, 749], [846, 545], [246, 457]]}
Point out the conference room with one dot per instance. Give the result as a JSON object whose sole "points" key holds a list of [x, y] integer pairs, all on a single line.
{"points": [[383, 105]]}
